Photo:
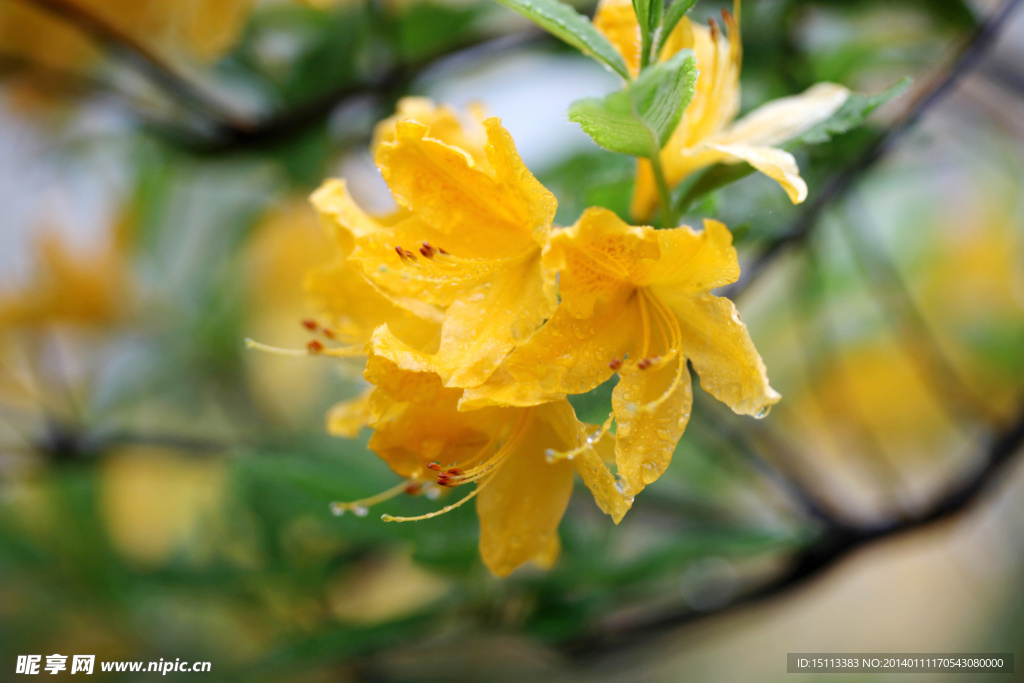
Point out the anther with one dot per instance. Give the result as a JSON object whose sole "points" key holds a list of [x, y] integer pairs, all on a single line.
{"points": [[414, 489], [436, 466], [645, 363], [309, 324], [327, 332], [615, 364], [714, 29], [314, 346]]}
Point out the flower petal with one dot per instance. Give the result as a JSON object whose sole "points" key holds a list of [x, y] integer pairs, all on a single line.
{"points": [[599, 259], [646, 437], [521, 507], [616, 19], [695, 261], [345, 419], [483, 216], [568, 355], [416, 421], [786, 118], [342, 218], [602, 484], [481, 326], [777, 164], [444, 123], [718, 344], [353, 308]]}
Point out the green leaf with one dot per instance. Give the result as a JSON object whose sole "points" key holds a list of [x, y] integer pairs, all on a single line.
{"points": [[673, 16], [639, 119], [566, 23], [852, 114]]}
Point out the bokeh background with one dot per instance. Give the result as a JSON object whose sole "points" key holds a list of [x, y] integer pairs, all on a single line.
{"points": [[164, 492]]}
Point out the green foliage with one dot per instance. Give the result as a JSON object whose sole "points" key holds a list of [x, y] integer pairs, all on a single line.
{"points": [[566, 23], [639, 119], [426, 28], [854, 112], [676, 11]]}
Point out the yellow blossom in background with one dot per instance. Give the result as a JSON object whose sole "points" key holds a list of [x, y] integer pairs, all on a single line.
{"points": [[159, 504], [286, 244], [521, 491], [708, 132], [84, 288], [637, 301]]}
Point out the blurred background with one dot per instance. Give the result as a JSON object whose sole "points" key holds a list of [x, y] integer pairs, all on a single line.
{"points": [[164, 492]]}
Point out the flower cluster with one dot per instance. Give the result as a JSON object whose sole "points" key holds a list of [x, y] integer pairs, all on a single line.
{"points": [[477, 318]]}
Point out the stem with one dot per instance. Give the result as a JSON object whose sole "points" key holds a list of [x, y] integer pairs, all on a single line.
{"points": [[668, 219], [645, 47]]}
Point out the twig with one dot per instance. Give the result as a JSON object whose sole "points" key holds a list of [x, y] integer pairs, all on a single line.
{"points": [[837, 543], [922, 349], [840, 184], [148, 62]]}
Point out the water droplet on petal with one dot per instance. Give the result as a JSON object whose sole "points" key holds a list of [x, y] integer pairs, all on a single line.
{"points": [[763, 413]]}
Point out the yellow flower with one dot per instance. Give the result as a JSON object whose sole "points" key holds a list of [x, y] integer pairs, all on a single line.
{"points": [[637, 301], [466, 241], [521, 460], [69, 288], [707, 133]]}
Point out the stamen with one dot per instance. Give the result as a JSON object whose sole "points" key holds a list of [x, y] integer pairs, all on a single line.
{"points": [[714, 29], [645, 323], [552, 456], [615, 364], [313, 348], [437, 513], [457, 477], [673, 344], [310, 324], [406, 255], [361, 505]]}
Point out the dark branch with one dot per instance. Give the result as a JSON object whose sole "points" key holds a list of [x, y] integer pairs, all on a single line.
{"points": [[148, 62], [836, 543]]}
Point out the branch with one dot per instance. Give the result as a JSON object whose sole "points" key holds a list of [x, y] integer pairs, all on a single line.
{"points": [[842, 183], [231, 131], [147, 61], [837, 543]]}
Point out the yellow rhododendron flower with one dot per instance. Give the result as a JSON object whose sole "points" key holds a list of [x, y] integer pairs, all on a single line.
{"points": [[466, 240], [521, 490], [707, 133], [637, 301], [471, 367]]}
